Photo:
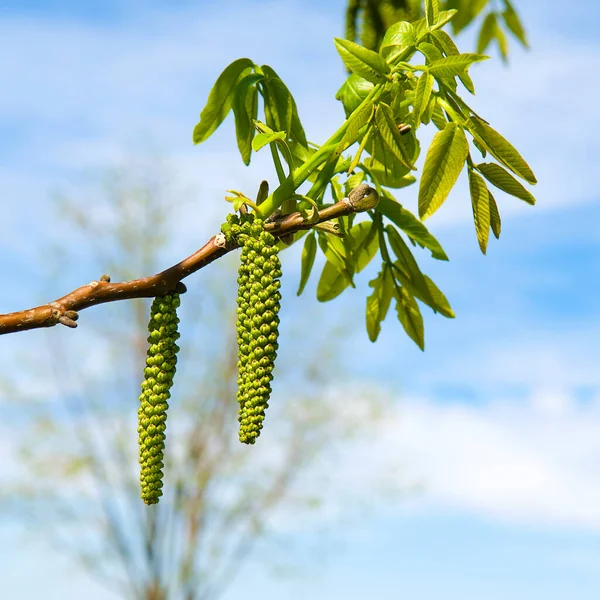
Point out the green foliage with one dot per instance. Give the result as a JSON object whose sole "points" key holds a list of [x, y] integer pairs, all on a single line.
{"points": [[158, 379], [258, 320], [370, 21], [387, 97]]}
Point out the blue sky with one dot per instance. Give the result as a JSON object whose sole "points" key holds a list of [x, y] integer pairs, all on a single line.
{"points": [[497, 421]]}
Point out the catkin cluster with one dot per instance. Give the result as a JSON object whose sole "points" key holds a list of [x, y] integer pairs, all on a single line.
{"points": [[158, 379], [257, 319]]}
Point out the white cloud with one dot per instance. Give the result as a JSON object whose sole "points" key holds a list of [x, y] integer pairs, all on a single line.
{"points": [[533, 462]]}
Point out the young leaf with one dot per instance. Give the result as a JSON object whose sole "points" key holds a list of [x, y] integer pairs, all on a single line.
{"points": [[406, 262], [410, 316], [278, 104], [443, 17], [431, 12], [514, 23], [398, 42], [296, 129], [487, 32], [336, 253], [309, 251], [430, 52], [444, 162], [502, 43], [501, 149], [451, 66], [331, 284], [364, 244], [503, 180], [447, 45], [388, 132], [411, 226], [422, 95], [495, 221], [393, 177], [481, 208], [362, 61], [220, 99], [262, 139], [360, 150], [245, 111], [437, 115], [356, 121], [441, 303], [378, 302], [433, 296], [353, 91]]}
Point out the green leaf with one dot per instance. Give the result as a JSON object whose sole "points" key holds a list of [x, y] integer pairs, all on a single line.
{"points": [[447, 45], [245, 111], [331, 284], [440, 302], [395, 177], [438, 117], [495, 221], [362, 61], [296, 130], [422, 95], [360, 150], [309, 251], [410, 316], [433, 297], [514, 23], [364, 244], [451, 66], [336, 253], [379, 301], [411, 226], [444, 162], [502, 43], [398, 42], [353, 91], [431, 12], [406, 261], [262, 139], [501, 149], [503, 180], [487, 32], [279, 105], [356, 121], [388, 132], [220, 99], [444, 16], [481, 208], [430, 52]]}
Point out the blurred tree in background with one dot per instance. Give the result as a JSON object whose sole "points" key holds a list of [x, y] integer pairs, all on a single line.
{"points": [[80, 482]]}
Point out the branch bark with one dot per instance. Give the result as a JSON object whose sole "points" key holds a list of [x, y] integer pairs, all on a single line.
{"points": [[65, 310]]}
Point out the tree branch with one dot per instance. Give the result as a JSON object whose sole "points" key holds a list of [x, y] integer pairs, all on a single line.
{"points": [[65, 310]]}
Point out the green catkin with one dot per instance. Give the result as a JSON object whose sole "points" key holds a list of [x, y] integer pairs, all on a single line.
{"points": [[158, 379], [257, 319]]}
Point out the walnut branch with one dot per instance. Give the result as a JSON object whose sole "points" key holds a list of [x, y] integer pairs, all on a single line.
{"points": [[65, 310]]}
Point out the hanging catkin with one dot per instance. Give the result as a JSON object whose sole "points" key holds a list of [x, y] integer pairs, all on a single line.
{"points": [[158, 379], [257, 319]]}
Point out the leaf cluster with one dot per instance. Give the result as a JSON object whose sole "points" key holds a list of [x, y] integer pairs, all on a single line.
{"points": [[413, 80], [368, 20]]}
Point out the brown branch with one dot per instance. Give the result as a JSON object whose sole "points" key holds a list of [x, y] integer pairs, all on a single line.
{"points": [[64, 310]]}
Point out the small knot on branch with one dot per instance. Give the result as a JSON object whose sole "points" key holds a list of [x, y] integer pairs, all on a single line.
{"points": [[180, 288], [67, 322], [362, 197]]}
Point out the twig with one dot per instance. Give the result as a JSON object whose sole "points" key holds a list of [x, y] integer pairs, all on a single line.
{"points": [[65, 310]]}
